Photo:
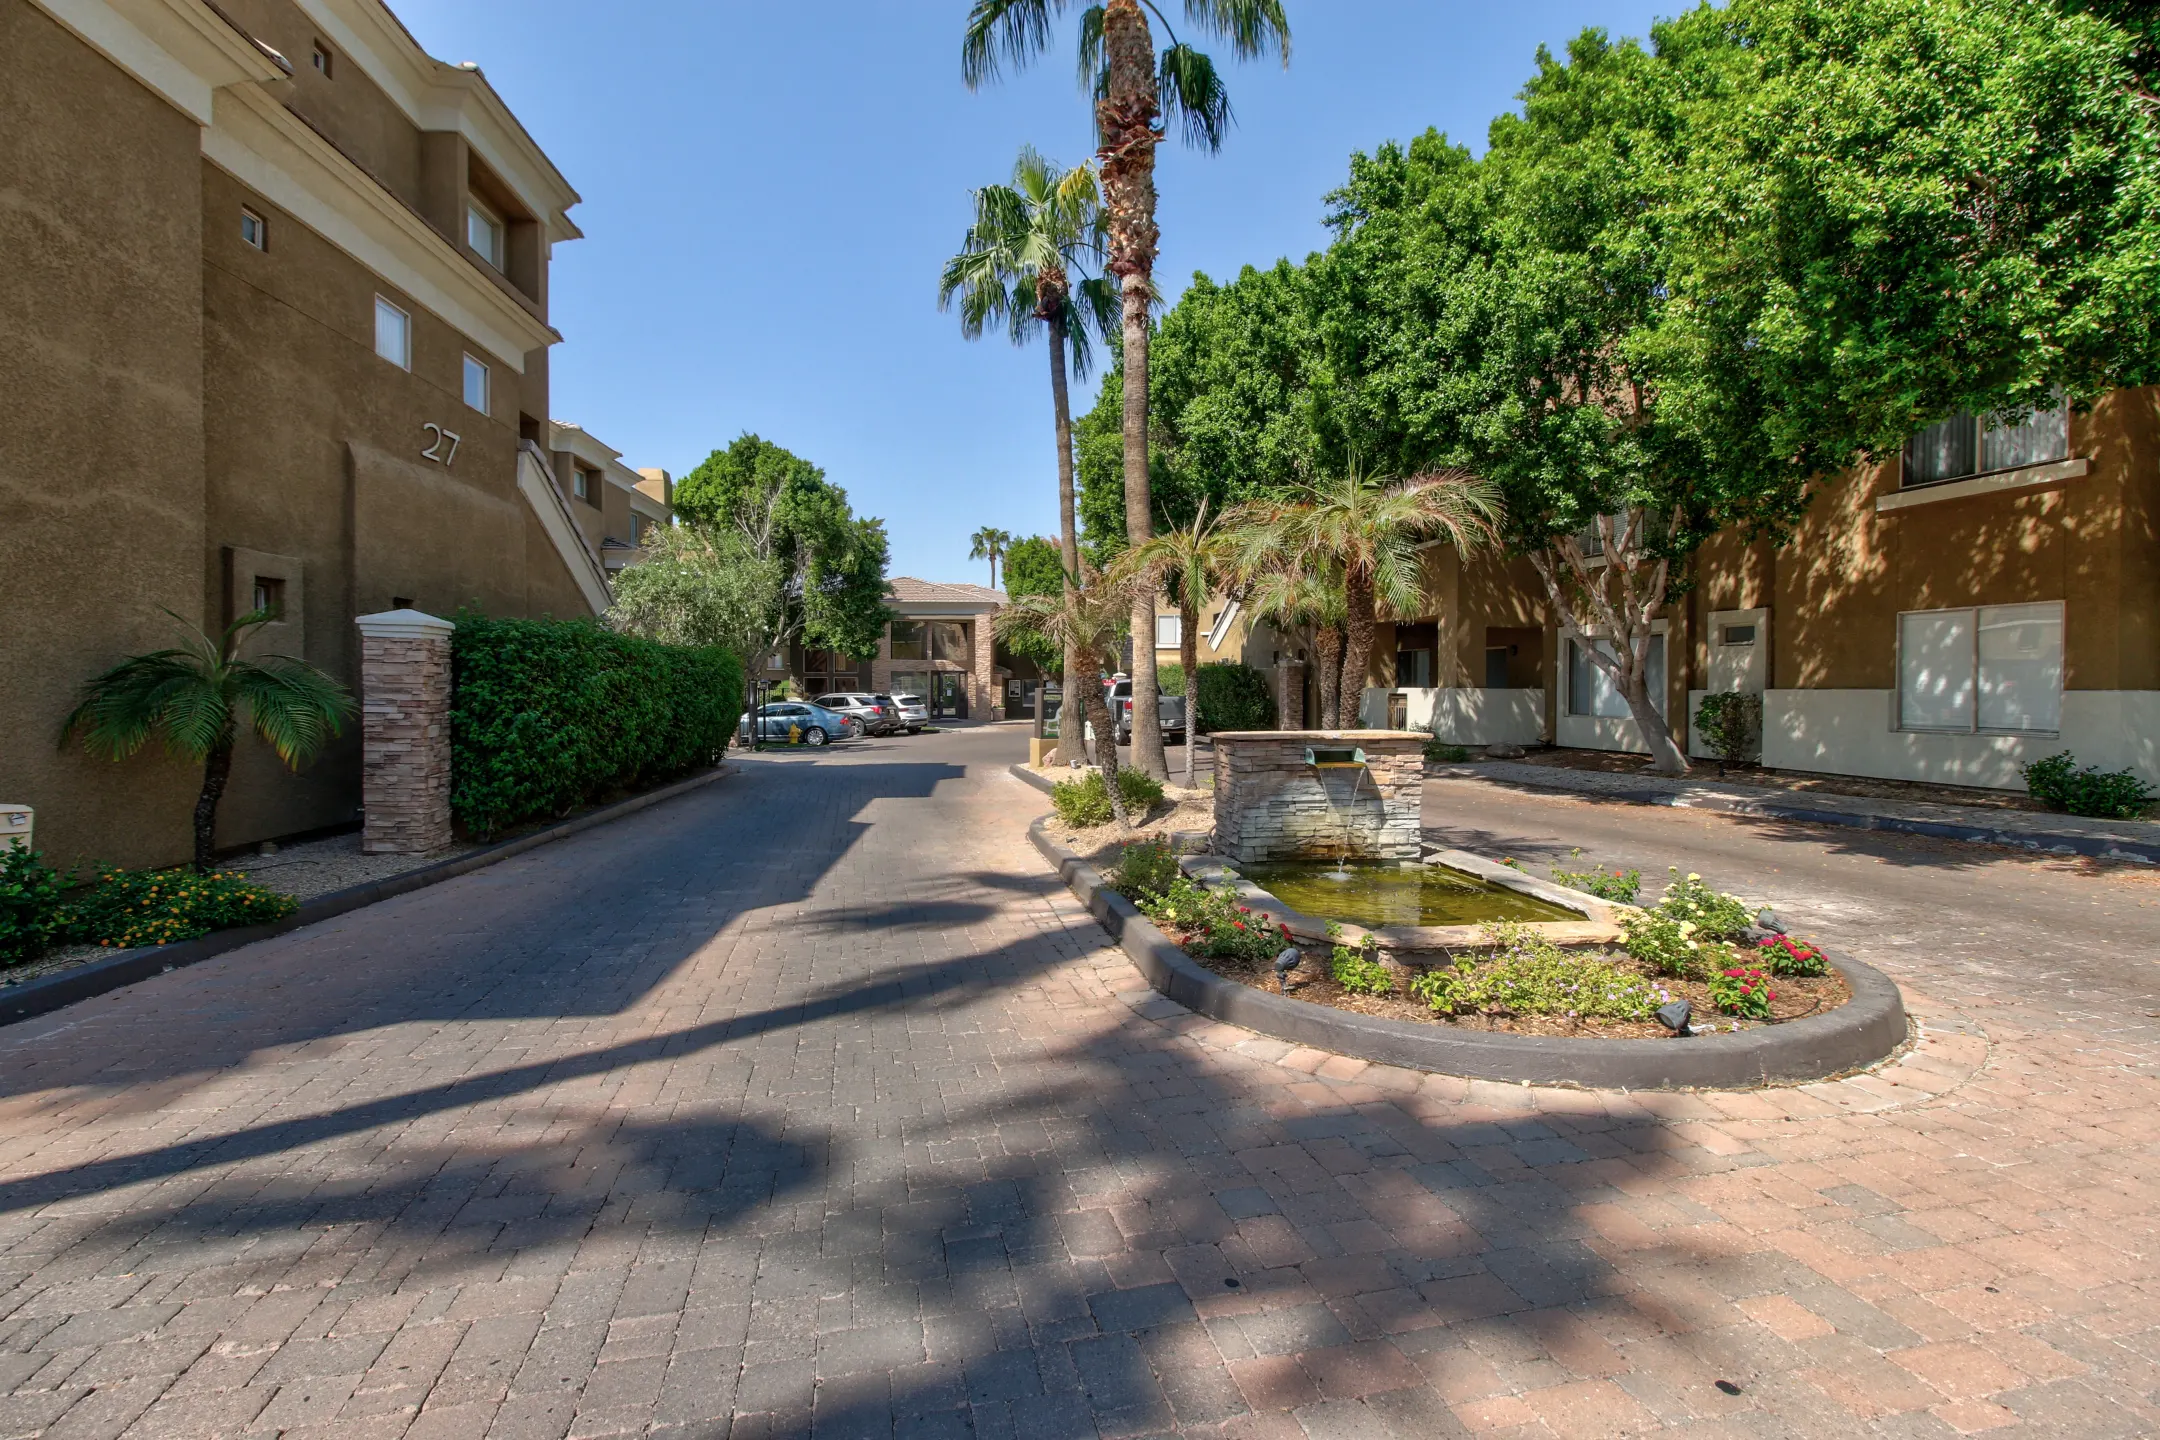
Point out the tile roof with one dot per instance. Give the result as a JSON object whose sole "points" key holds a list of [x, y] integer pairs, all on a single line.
{"points": [[906, 588]]}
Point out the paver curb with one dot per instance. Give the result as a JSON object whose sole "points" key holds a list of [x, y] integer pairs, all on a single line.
{"points": [[2056, 842], [127, 967], [1033, 777], [1864, 1030]]}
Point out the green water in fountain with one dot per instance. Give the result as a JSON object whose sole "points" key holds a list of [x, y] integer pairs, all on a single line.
{"points": [[1396, 893]]}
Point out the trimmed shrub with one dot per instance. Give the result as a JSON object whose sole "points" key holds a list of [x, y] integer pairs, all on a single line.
{"points": [[1085, 803], [548, 715], [1730, 722], [1233, 696], [29, 904], [1442, 752], [125, 908], [1170, 678], [2092, 792]]}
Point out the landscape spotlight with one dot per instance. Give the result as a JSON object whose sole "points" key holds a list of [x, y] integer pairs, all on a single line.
{"points": [[1674, 1017], [1289, 960]]}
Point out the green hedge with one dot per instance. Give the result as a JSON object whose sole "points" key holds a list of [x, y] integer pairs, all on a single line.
{"points": [[1234, 696], [548, 715]]}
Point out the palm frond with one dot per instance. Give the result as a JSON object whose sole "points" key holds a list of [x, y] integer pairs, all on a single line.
{"points": [[121, 708], [1193, 97], [293, 706], [1004, 32], [1091, 51], [1253, 27]]}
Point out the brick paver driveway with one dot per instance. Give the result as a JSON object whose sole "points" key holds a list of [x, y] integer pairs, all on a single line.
{"points": [[809, 1102]]}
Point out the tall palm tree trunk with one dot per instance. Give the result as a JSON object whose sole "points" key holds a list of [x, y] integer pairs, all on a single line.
{"points": [[1126, 117], [1097, 711], [1069, 746], [1357, 648], [217, 769], [1189, 660], [1328, 648]]}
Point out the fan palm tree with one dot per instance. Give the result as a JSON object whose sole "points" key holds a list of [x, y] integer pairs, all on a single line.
{"points": [[1086, 621], [991, 543], [1188, 565], [1025, 263], [192, 696], [1134, 89], [1294, 597], [1371, 529]]}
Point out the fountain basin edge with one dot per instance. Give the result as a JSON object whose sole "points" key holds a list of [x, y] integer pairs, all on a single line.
{"points": [[1866, 1029]]}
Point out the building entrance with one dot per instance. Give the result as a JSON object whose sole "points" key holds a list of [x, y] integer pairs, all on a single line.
{"points": [[948, 696]]}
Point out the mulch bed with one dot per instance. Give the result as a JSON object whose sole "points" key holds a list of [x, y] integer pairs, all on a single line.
{"points": [[1797, 996]]}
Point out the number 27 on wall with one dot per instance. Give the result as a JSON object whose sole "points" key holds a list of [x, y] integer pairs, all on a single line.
{"points": [[443, 437]]}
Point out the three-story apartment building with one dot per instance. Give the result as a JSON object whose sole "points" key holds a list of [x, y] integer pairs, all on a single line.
{"points": [[275, 324]]}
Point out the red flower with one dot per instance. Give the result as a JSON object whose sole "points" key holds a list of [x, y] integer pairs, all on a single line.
{"points": [[1239, 923]]}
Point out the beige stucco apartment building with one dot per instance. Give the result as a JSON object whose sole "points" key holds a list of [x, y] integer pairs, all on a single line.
{"points": [[275, 323], [1989, 598]]}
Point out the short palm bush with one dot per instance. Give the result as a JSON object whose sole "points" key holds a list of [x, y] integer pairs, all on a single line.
{"points": [[195, 698]]}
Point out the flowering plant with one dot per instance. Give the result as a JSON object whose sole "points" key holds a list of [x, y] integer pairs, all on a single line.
{"points": [[1787, 956], [126, 908], [1743, 991], [1666, 945], [1713, 913], [1529, 975], [1211, 923]]}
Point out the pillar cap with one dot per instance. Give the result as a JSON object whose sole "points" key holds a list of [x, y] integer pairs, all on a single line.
{"points": [[403, 625]]}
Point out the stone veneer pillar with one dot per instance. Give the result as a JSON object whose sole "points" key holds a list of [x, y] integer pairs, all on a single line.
{"points": [[404, 732], [1271, 805], [987, 704]]}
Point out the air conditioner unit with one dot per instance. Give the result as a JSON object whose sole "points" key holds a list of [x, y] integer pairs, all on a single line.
{"points": [[16, 823]]}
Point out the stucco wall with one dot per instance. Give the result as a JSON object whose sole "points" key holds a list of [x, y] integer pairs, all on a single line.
{"points": [[101, 457]]}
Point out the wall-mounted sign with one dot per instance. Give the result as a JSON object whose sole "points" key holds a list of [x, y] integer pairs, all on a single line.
{"points": [[443, 449]]}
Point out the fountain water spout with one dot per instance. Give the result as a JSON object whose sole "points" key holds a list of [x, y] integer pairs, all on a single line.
{"points": [[1347, 759]]}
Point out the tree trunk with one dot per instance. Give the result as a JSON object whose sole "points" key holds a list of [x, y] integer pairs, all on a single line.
{"points": [[217, 769], [1068, 537], [1098, 715], [1126, 117], [1357, 648], [1327, 649], [1189, 659], [1665, 756]]}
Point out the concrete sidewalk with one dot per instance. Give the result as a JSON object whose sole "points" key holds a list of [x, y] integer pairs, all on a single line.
{"points": [[2134, 840]]}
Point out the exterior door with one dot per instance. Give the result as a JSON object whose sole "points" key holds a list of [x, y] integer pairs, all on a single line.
{"points": [[948, 698]]}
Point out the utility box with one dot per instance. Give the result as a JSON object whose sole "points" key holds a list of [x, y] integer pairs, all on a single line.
{"points": [[16, 823]]}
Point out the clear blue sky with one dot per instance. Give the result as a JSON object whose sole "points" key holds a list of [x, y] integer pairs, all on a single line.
{"points": [[771, 188]]}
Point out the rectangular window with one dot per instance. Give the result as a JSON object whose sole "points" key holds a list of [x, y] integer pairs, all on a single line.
{"points": [[269, 594], [1169, 631], [1737, 635], [1413, 669], [1591, 691], [907, 640], [476, 384], [253, 230], [948, 641], [1966, 445], [581, 482], [393, 334], [1995, 669], [484, 233], [321, 59]]}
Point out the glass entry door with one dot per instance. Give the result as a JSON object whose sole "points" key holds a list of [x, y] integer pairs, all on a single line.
{"points": [[948, 697]]}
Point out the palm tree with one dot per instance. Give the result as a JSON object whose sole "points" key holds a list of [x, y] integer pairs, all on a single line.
{"points": [[1372, 530], [193, 695], [992, 543], [1189, 565], [1087, 621], [1030, 240], [1134, 88], [1294, 597]]}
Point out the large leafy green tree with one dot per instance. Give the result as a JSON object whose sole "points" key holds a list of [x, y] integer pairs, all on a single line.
{"points": [[1035, 567], [1136, 91], [196, 696], [831, 562]]}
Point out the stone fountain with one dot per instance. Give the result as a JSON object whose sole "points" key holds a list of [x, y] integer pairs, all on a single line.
{"points": [[1319, 794]]}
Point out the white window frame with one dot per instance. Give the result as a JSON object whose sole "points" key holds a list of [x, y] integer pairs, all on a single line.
{"points": [[1974, 627], [260, 239], [475, 365], [383, 308], [1659, 697], [491, 224], [1175, 627], [581, 482]]}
